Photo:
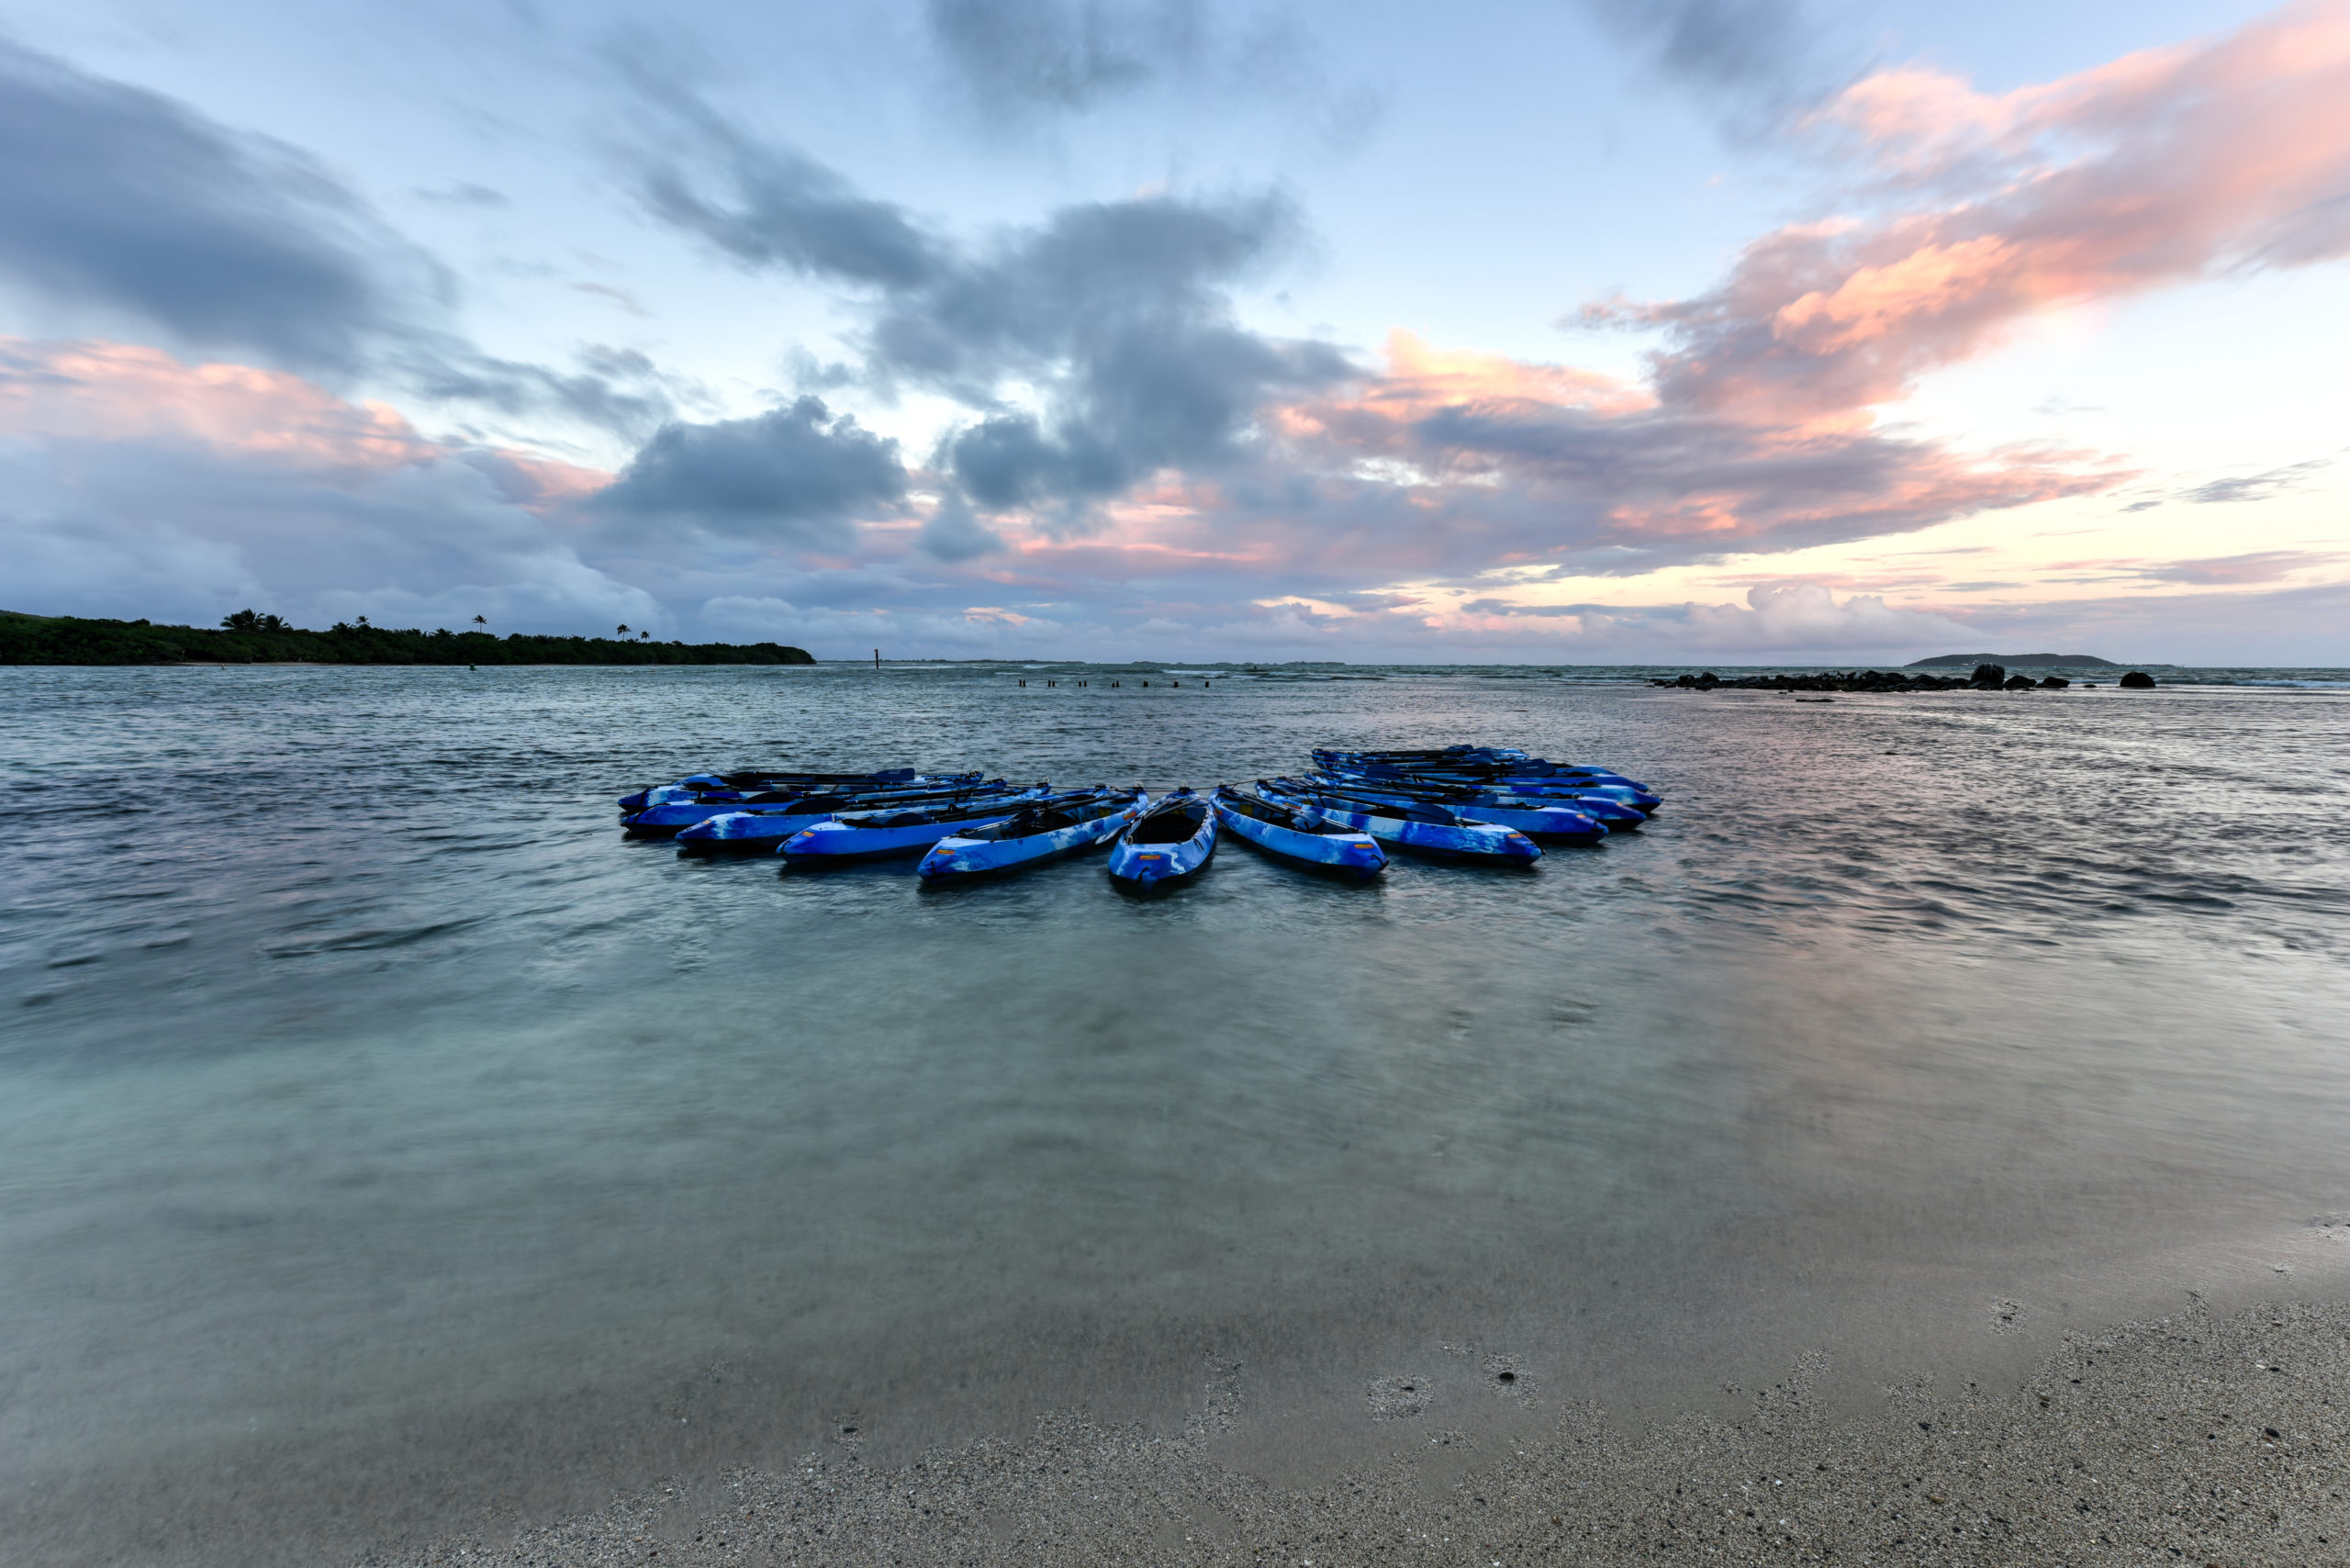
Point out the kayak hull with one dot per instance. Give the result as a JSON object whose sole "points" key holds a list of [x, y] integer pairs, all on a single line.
{"points": [[844, 838], [1501, 773], [745, 784], [671, 818], [954, 857], [1569, 818], [1356, 854], [836, 841], [1466, 840], [1561, 824], [746, 831], [1151, 867]]}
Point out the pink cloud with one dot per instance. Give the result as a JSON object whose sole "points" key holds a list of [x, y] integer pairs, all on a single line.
{"points": [[1759, 429], [126, 392], [2158, 169]]}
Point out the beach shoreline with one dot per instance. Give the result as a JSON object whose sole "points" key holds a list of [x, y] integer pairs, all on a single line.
{"points": [[2195, 1438]]}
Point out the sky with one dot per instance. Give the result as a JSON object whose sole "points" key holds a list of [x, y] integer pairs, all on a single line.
{"points": [[1740, 332]]}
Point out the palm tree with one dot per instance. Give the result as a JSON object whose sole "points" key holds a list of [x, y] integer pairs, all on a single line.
{"points": [[623, 629], [481, 619]]}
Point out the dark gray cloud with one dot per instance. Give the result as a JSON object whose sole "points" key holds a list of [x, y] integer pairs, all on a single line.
{"points": [[954, 533], [1117, 315], [1121, 314], [1015, 55], [793, 473], [1016, 66], [765, 206], [614, 391], [1009, 461], [2259, 487], [121, 199], [1754, 60]]}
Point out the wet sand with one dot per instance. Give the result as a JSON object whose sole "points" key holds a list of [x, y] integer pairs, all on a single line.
{"points": [[2195, 1439]]}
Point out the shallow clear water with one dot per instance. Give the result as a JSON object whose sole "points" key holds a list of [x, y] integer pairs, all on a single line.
{"points": [[383, 1138]]}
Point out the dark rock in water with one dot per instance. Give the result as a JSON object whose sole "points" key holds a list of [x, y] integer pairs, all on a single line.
{"points": [[1988, 674], [2053, 683], [1844, 681], [2017, 683], [2136, 680]]}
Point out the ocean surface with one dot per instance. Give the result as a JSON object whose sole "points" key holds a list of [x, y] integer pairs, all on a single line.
{"points": [[386, 1145]]}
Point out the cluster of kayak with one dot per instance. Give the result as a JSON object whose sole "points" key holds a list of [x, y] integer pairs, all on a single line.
{"points": [[1475, 803]]}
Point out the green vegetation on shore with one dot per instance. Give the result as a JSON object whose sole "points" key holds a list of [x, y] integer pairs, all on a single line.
{"points": [[250, 639], [2018, 661]]}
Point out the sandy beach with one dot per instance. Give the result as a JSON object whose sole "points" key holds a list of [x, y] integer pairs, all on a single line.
{"points": [[2194, 1438]]}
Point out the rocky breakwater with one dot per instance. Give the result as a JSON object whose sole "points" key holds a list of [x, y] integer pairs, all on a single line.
{"points": [[1986, 677]]}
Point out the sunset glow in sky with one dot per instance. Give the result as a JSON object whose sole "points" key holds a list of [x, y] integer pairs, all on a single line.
{"points": [[1718, 330]]}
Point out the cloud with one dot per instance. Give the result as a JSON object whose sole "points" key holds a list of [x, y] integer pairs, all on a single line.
{"points": [[765, 206], [1764, 56], [1015, 67], [2259, 487], [1450, 464], [953, 535], [128, 205], [1775, 617], [2302, 625], [2160, 168], [2262, 486], [1120, 314], [619, 297], [1016, 55], [2253, 567], [795, 474], [125, 200], [463, 193], [1116, 318], [132, 482]]}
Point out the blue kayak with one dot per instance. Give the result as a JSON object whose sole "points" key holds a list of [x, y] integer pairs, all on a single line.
{"points": [[1165, 845], [857, 835], [1424, 827], [1611, 812], [1298, 833], [666, 819], [763, 827], [1521, 773], [683, 788], [1637, 797], [745, 784], [1611, 786], [1584, 818], [1037, 833], [1605, 809], [1534, 818]]}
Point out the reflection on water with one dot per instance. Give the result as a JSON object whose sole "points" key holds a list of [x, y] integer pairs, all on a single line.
{"points": [[380, 1135]]}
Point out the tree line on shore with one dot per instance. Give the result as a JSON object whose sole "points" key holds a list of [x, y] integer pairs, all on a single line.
{"points": [[246, 637]]}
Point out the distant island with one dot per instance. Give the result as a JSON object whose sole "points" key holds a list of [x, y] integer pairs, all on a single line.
{"points": [[246, 638], [2014, 661]]}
